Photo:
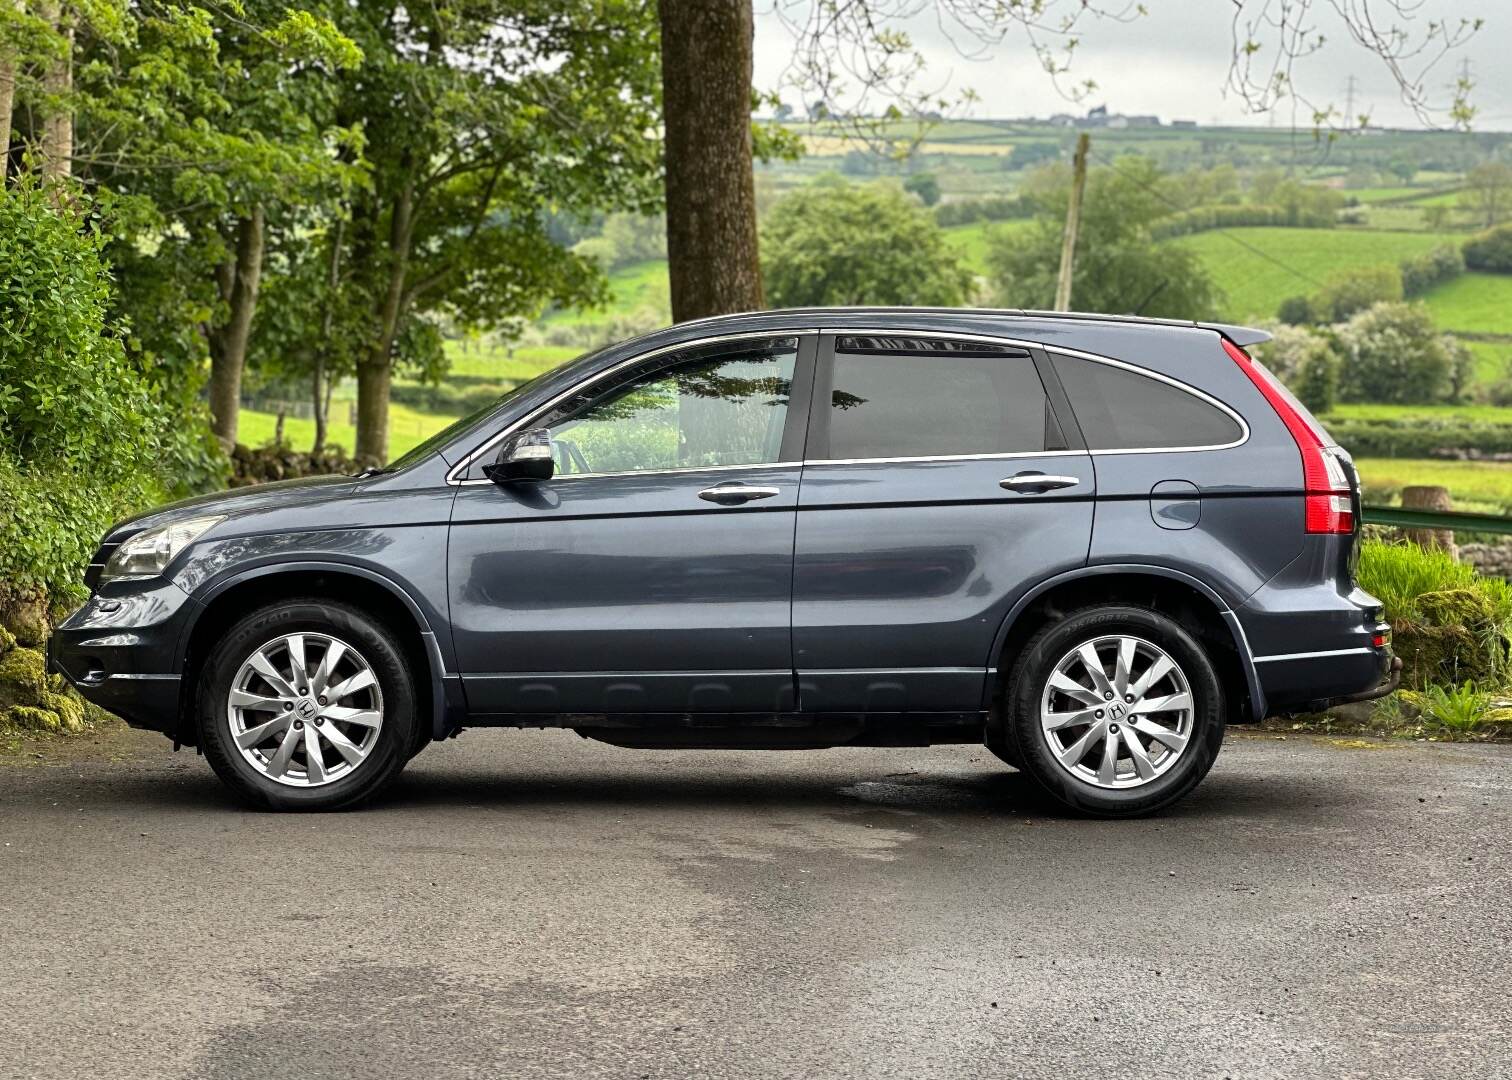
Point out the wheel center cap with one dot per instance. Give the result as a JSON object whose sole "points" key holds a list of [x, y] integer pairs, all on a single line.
{"points": [[1116, 711], [306, 708]]}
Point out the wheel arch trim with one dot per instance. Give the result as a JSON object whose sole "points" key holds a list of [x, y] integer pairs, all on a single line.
{"points": [[1082, 573], [435, 661]]}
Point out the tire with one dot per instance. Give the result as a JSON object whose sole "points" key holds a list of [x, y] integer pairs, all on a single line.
{"points": [[363, 734], [1179, 740]]}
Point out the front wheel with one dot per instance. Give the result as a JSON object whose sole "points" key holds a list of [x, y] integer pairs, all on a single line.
{"points": [[307, 705], [1116, 711]]}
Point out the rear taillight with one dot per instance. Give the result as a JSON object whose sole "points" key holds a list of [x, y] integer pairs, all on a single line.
{"points": [[1330, 506]]}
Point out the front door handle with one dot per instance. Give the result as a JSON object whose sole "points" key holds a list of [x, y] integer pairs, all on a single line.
{"points": [[1033, 483], [734, 493]]}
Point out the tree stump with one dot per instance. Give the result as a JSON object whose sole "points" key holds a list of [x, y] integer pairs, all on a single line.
{"points": [[1427, 497]]}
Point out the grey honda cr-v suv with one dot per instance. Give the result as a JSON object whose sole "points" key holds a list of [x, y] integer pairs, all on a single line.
{"points": [[1086, 542]]}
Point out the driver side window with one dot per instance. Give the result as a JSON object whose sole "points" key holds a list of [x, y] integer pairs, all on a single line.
{"points": [[723, 404]]}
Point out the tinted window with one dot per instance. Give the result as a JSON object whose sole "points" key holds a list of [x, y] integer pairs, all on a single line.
{"points": [[910, 398], [1120, 409], [724, 405]]}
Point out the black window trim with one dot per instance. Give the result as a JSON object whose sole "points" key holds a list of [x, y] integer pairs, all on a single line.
{"points": [[824, 385]]}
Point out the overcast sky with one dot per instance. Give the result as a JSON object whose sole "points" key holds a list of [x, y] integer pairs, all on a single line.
{"points": [[1174, 63]]}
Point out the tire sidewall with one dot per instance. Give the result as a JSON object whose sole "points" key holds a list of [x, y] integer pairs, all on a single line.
{"points": [[1027, 683], [384, 656]]}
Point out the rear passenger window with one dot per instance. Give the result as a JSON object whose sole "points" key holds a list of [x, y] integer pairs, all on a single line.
{"points": [[1119, 409], [911, 397]]}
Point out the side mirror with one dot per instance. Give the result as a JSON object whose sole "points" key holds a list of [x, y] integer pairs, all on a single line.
{"points": [[524, 458]]}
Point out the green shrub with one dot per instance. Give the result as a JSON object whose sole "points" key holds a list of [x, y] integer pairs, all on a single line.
{"points": [[1354, 291], [1393, 352], [1490, 251], [993, 208], [1223, 216], [1456, 710], [83, 437], [1422, 272], [1297, 311], [1416, 437], [1448, 623]]}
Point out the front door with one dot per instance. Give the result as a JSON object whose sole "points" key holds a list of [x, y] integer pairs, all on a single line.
{"points": [[653, 572], [940, 484]]}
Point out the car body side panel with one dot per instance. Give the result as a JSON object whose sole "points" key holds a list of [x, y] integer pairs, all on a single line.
{"points": [[624, 594], [905, 570]]}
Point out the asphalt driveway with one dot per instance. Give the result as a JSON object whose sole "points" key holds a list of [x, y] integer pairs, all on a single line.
{"points": [[534, 905]]}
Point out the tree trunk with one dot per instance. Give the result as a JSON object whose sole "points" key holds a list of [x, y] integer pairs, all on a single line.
{"points": [[372, 412], [1426, 497], [373, 370], [7, 100], [711, 186], [327, 321], [57, 80], [228, 345]]}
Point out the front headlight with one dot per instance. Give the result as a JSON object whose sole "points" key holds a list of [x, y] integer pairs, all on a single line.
{"points": [[147, 554]]}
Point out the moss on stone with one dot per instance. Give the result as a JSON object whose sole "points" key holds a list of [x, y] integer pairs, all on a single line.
{"points": [[29, 718], [69, 708], [1456, 607], [23, 677], [25, 616], [7, 640]]}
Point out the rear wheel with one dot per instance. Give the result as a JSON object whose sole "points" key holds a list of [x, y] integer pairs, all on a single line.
{"points": [[1116, 711], [307, 705]]}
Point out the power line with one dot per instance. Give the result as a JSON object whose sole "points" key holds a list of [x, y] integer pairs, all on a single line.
{"points": [[1251, 248]]}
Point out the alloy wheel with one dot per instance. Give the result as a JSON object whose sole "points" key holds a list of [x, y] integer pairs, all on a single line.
{"points": [[1117, 712], [305, 709]]}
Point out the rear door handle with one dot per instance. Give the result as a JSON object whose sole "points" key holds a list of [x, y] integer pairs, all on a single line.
{"points": [[1032, 483], [735, 493]]}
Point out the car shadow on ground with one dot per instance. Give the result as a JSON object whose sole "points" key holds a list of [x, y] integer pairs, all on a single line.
{"points": [[983, 791]]}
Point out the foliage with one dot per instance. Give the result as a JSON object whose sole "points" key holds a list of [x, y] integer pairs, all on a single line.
{"points": [[1202, 218], [1118, 267], [1488, 191], [991, 208], [1422, 272], [1346, 294], [83, 439], [1448, 622], [1490, 251], [1419, 437], [1393, 352], [1457, 710], [625, 239], [925, 185], [838, 244]]}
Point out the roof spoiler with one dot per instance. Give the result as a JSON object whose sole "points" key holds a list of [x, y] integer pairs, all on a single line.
{"points": [[1242, 336]]}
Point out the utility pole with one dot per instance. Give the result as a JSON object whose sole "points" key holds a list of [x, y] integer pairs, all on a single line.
{"points": [[1349, 93], [1073, 223]]}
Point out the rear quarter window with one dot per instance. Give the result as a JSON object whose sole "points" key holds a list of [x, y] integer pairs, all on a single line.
{"points": [[1120, 409]]}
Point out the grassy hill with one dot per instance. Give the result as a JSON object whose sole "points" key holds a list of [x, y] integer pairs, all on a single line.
{"points": [[1299, 261]]}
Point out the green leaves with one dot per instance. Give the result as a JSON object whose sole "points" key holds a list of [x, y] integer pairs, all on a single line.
{"points": [[843, 245]]}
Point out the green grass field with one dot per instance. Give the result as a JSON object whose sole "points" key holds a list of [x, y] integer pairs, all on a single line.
{"points": [[1476, 303], [641, 285], [1475, 414], [406, 428], [1479, 483], [1256, 285], [498, 363]]}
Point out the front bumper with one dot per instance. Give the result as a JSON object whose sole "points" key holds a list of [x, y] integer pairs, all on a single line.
{"points": [[123, 651]]}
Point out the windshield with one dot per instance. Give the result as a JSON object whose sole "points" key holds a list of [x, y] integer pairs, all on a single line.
{"points": [[446, 434]]}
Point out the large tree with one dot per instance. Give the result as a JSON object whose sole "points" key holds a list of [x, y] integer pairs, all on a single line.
{"points": [[855, 61], [479, 120], [1119, 268]]}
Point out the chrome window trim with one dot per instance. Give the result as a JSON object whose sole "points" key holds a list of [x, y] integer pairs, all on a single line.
{"points": [[1244, 428], [454, 474], [661, 472]]}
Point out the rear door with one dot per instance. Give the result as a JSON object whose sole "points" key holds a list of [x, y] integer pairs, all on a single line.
{"points": [[941, 481]]}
